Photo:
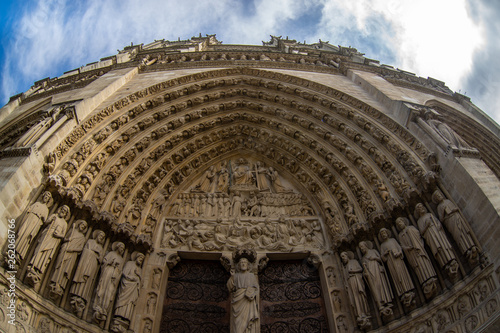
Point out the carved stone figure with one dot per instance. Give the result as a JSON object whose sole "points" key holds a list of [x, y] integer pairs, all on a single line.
{"points": [[83, 281], [448, 134], [376, 278], [207, 181], [47, 245], [110, 274], [413, 246], [223, 179], [168, 238], [66, 260], [46, 325], [392, 254], [261, 175], [151, 304], [457, 226], [275, 181], [434, 235], [35, 218], [356, 289], [244, 288], [130, 283], [237, 204], [36, 131], [155, 280], [242, 174]]}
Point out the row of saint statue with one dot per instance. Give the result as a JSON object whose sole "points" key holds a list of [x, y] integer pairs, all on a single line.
{"points": [[411, 244], [117, 279], [223, 205], [50, 238]]}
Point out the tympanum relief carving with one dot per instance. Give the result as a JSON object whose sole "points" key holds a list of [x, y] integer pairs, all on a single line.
{"points": [[239, 202]]}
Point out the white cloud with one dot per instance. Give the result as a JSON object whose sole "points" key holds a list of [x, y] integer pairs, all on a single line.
{"points": [[429, 37]]}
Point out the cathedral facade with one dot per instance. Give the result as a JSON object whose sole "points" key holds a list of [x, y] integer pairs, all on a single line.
{"points": [[193, 186]]}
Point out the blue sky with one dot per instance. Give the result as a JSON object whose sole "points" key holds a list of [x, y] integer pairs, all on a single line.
{"points": [[455, 41]]}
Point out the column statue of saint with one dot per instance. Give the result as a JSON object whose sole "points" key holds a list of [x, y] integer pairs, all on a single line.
{"points": [[244, 288]]}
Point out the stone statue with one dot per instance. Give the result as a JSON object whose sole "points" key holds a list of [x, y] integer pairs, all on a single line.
{"points": [[47, 245], [168, 238], [128, 293], [242, 174], [207, 180], [37, 130], [66, 260], [35, 218], [223, 180], [457, 226], [110, 274], [392, 254], [413, 246], [448, 134], [275, 181], [237, 204], [356, 289], [244, 288], [155, 280], [434, 235], [262, 181], [376, 278], [83, 281]]}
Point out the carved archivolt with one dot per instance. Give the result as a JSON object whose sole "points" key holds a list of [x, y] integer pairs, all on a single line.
{"points": [[337, 156], [242, 157]]}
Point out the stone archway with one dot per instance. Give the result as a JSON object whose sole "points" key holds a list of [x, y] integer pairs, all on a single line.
{"points": [[310, 170]]}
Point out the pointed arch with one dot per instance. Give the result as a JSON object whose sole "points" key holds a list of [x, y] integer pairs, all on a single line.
{"points": [[332, 140]]}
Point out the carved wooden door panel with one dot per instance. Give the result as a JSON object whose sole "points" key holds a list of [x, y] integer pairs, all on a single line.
{"points": [[197, 298], [291, 298]]}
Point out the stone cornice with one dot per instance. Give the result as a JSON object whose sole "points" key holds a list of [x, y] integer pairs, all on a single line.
{"points": [[165, 58]]}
